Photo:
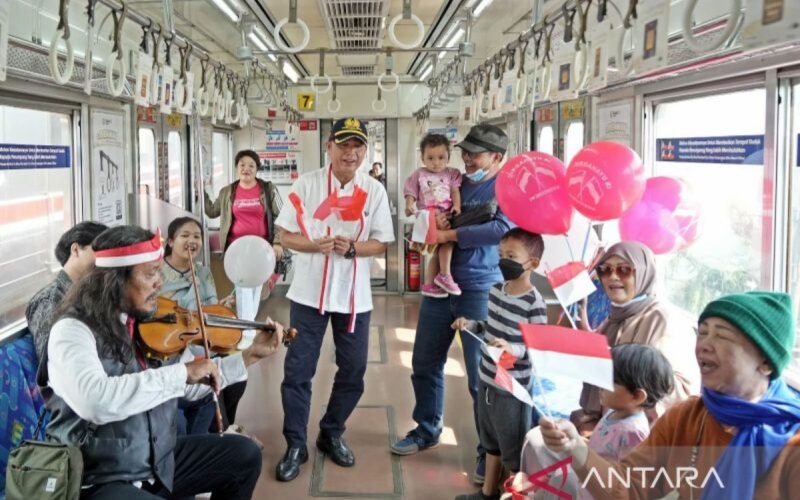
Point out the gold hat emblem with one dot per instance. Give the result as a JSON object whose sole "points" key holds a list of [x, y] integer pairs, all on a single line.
{"points": [[352, 124]]}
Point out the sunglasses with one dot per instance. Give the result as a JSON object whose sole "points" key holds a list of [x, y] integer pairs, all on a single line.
{"points": [[622, 270]]}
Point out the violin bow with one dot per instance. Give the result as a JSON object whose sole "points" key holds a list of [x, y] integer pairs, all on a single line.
{"points": [[203, 333]]}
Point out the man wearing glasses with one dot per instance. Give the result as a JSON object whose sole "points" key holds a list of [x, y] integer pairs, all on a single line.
{"points": [[475, 268], [331, 284]]}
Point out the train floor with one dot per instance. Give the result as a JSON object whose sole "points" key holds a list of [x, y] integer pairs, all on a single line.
{"points": [[383, 413]]}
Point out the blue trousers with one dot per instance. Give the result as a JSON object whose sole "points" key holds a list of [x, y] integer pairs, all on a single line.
{"points": [[431, 345], [301, 364]]}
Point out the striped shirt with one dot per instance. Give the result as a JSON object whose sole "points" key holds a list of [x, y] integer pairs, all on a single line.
{"points": [[505, 313]]}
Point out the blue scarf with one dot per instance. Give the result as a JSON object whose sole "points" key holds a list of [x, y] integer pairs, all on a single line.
{"points": [[764, 428]]}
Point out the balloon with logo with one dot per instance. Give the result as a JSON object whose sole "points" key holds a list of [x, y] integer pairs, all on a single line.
{"points": [[249, 261], [531, 191], [605, 179], [666, 219]]}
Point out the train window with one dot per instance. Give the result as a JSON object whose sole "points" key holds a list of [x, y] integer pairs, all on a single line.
{"points": [[703, 140], [574, 141], [36, 200], [545, 141], [221, 159], [175, 161], [794, 229], [147, 162]]}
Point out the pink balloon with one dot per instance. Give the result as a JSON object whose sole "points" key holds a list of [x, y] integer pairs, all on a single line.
{"points": [[605, 179], [666, 219], [531, 190]]}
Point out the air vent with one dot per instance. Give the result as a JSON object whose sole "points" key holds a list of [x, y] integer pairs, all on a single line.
{"points": [[355, 25], [357, 70]]}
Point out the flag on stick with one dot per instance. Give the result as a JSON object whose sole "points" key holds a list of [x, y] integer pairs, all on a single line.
{"points": [[504, 379], [583, 356], [571, 282]]}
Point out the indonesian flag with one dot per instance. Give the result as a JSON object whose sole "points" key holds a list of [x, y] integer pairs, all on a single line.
{"points": [[583, 356], [504, 379], [571, 282], [424, 231], [300, 212], [343, 208]]}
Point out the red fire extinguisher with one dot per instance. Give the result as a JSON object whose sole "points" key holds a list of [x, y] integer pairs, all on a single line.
{"points": [[413, 258]]}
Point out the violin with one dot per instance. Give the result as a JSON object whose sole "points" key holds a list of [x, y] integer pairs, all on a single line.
{"points": [[172, 328]]}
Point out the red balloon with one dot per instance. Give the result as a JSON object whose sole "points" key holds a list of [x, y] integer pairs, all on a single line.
{"points": [[605, 179], [666, 219], [531, 190]]}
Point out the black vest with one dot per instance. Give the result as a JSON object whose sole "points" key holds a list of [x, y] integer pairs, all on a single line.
{"points": [[135, 449]]}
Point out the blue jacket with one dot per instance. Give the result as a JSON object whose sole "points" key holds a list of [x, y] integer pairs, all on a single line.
{"points": [[475, 258]]}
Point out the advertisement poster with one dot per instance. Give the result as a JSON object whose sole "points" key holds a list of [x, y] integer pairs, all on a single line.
{"points": [[450, 132], [279, 167], [615, 122], [651, 32], [28, 156], [734, 150], [770, 22], [108, 168], [282, 140]]}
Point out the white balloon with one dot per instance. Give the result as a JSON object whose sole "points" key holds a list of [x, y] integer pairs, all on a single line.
{"points": [[249, 261]]}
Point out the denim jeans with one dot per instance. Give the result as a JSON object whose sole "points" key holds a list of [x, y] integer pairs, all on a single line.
{"points": [[432, 343]]}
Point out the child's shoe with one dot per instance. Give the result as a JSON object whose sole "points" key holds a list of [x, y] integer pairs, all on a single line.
{"points": [[431, 290], [448, 285]]}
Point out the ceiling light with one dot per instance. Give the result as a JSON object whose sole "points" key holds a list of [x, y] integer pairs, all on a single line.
{"points": [[428, 69], [470, 3], [455, 38], [264, 43], [227, 10], [449, 31], [442, 54], [481, 7], [290, 72], [257, 41]]}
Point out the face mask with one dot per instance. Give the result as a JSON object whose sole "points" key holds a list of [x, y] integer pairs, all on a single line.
{"points": [[476, 176], [511, 269]]}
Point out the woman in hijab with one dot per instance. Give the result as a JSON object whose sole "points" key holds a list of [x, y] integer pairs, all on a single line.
{"points": [[739, 439], [628, 274]]}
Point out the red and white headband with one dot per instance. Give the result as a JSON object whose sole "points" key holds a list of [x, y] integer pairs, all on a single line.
{"points": [[131, 255]]}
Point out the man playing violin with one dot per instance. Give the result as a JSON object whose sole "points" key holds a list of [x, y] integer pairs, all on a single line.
{"points": [[120, 408]]}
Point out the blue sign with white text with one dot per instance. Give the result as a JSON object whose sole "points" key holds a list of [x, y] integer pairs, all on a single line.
{"points": [[733, 149], [28, 156]]}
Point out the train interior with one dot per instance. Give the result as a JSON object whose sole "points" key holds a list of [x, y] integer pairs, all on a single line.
{"points": [[131, 112]]}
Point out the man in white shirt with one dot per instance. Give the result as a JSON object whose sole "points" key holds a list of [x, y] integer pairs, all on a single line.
{"points": [[119, 408], [331, 283]]}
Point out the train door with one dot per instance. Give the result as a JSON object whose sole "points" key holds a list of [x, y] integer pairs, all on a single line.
{"points": [[163, 157], [40, 158], [559, 128], [545, 129]]}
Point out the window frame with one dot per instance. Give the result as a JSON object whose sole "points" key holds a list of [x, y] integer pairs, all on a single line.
{"points": [[17, 327], [770, 276]]}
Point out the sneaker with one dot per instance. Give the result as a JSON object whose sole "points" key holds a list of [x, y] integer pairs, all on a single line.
{"points": [[411, 444], [432, 290], [448, 285], [480, 470]]}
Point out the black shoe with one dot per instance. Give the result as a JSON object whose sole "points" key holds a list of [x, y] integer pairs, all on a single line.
{"points": [[337, 449], [289, 466]]}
